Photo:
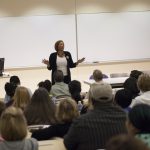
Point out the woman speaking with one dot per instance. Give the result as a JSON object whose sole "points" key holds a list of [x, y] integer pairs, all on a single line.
{"points": [[61, 60]]}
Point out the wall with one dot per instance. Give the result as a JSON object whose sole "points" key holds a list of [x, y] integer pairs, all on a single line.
{"points": [[51, 8]]}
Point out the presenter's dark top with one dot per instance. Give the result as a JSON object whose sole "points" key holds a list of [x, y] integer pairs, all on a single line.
{"points": [[53, 65]]}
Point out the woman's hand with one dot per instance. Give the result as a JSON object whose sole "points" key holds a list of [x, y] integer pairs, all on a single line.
{"points": [[45, 61], [80, 60]]}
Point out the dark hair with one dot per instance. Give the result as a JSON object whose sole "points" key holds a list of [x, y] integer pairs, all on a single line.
{"points": [[2, 107], [131, 85], [10, 89], [135, 74], [75, 89], [58, 76], [15, 80], [139, 116], [125, 142], [123, 98], [41, 84], [45, 84], [41, 109], [57, 43]]}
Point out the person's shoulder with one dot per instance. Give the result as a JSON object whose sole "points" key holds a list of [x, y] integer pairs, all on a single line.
{"points": [[31, 143], [67, 53], [54, 53], [82, 120]]}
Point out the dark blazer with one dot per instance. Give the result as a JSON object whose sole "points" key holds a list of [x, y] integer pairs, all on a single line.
{"points": [[53, 65], [58, 130]]}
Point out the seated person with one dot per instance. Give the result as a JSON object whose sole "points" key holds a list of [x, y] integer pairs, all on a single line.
{"points": [[92, 130], [65, 114], [75, 90], [15, 81], [98, 75], [59, 88], [10, 91], [13, 129], [131, 83], [138, 122], [41, 109], [123, 98], [143, 84]]}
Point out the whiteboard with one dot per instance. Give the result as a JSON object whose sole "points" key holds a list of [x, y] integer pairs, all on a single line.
{"points": [[25, 41], [114, 36]]}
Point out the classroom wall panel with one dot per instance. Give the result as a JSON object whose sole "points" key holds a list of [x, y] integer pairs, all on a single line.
{"points": [[25, 41], [30, 28]]}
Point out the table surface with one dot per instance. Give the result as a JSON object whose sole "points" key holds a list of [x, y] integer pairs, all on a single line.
{"points": [[114, 82]]}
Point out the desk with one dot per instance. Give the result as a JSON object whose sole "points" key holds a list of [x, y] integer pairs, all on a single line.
{"points": [[5, 75], [114, 82]]}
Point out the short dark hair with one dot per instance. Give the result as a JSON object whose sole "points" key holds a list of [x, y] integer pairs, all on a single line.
{"points": [[131, 85], [10, 89], [123, 98], [75, 89], [15, 80], [135, 73], [45, 84]]}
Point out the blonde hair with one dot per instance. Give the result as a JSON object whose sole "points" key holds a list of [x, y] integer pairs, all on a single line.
{"points": [[67, 110], [13, 125], [144, 82], [21, 97]]}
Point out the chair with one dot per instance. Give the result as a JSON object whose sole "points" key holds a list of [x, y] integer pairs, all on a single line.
{"points": [[104, 76], [116, 75]]}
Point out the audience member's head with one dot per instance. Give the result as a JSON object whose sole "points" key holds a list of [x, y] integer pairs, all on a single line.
{"points": [[139, 119], [21, 97], [144, 82], [15, 80], [41, 84], [125, 142], [41, 109], [58, 76], [123, 98], [2, 107], [13, 125], [100, 93], [67, 110], [10, 89], [131, 85], [75, 90], [135, 74], [97, 75], [45, 84]]}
